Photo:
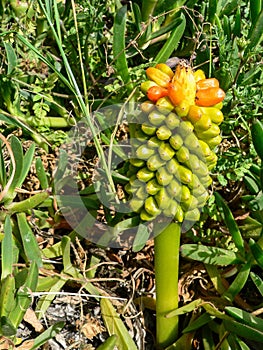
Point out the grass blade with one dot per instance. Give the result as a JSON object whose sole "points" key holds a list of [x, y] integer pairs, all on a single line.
{"points": [[172, 43]]}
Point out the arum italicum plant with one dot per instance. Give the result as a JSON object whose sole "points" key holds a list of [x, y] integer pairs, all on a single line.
{"points": [[174, 145]]}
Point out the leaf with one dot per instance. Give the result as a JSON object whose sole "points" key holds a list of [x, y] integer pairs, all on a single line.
{"points": [[255, 35], [68, 267], [109, 343], [11, 58], [257, 252], [209, 255], [31, 248], [119, 44], [252, 184], [6, 327], [198, 323], [193, 305], [245, 317], [238, 283], [27, 162], [141, 237], [18, 155], [47, 334], [45, 300], [243, 330], [229, 8], [257, 281], [137, 15], [7, 295], [215, 276], [41, 174], [255, 9], [17, 122], [257, 131], [257, 203], [23, 297], [230, 222], [2, 166], [212, 10], [251, 227], [115, 326], [174, 23], [7, 249], [171, 43]]}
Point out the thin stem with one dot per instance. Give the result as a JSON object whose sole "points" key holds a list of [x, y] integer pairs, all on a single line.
{"points": [[80, 53], [167, 245]]}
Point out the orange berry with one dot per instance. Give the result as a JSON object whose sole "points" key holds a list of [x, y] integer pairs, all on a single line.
{"points": [[209, 97]]}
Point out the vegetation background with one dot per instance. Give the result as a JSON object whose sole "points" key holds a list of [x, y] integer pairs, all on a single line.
{"points": [[61, 61]]}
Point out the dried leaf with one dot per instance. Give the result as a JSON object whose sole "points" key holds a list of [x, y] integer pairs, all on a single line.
{"points": [[31, 318]]}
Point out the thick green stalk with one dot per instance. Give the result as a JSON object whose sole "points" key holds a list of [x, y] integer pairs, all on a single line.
{"points": [[167, 245]]}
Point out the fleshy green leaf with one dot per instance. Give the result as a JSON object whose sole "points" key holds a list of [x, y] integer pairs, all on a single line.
{"points": [[238, 283], [255, 35], [115, 326], [23, 297], [257, 281], [244, 330], [41, 174], [31, 248], [7, 249], [6, 327], [47, 334], [230, 222], [171, 43], [209, 255], [141, 238], [119, 44], [11, 58], [186, 308], [245, 317], [199, 322]]}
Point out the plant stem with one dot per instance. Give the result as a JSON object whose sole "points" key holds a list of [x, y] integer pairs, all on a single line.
{"points": [[167, 245]]}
